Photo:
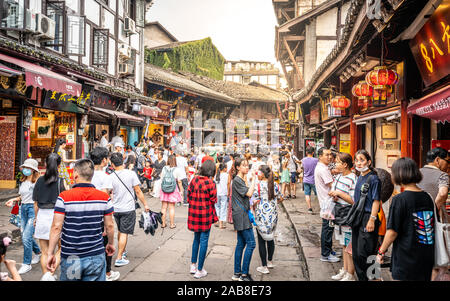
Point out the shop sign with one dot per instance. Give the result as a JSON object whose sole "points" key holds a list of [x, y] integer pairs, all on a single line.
{"points": [[165, 110], [315, 114], [333, 140], [6, 103], [431, 45], [70, 139], [105, 101], [63, 129], [69, 103], [216, 115], [344, 146], [445, 144], [182, 110], [15, 86]]}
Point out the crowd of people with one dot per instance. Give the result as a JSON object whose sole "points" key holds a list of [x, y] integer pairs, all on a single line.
{"points": [[75, 223]]}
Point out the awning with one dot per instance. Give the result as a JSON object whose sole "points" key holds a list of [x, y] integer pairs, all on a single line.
{"points": [[43, 78], [117, 114], [385, 113], [6, 71], [159, 122], [435, 106], [149, 111]]}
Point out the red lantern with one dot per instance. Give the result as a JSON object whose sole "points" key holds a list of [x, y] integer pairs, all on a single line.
{"points": [[381, 76], [340, 102], [362, 90]]}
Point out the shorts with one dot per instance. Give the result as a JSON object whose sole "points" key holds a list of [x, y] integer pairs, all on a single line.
{"points": [[343, 234], [125, 221], [307, 188], [293, 177]]}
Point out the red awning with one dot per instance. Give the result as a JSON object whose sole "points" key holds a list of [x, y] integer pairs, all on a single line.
{"points": [[435, 106], [43, 78], [120, 115], [6, 71]]}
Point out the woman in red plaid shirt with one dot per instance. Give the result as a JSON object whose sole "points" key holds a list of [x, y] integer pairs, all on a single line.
{"points": [[202, 196]]}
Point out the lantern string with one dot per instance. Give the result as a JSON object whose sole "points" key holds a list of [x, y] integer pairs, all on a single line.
{"points": [[382, 48]]}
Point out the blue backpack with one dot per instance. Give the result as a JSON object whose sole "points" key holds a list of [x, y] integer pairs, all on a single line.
{"points": [[168, 183]]}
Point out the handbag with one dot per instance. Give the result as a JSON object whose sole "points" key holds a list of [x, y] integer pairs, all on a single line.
{"points": [[136, 204], [442, 239], [355, 214], [340, 211], [15, 215]]}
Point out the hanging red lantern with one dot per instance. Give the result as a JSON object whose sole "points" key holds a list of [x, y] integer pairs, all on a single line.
{"points": [[362, 90], [340, 102], [382, 80], [382, 76]]}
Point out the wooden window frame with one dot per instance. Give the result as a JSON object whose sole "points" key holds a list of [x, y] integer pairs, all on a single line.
{"points": [[100, 66]]}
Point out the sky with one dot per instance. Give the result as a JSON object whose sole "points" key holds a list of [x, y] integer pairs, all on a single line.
{"points": [[240, 29]]}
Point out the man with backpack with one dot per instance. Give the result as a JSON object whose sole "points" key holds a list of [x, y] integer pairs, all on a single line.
{"points": [[125, 187]]}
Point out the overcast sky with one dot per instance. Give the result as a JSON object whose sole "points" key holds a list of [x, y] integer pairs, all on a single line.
{"points": [[240, 29]]}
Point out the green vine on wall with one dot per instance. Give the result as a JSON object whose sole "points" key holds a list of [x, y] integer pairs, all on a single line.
{"points": [[198, 57]]}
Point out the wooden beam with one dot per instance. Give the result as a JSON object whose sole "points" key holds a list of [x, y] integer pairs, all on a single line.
{"points": [[286, 45], [295, 49], [285, 15], [291, 38], [286, 76]]}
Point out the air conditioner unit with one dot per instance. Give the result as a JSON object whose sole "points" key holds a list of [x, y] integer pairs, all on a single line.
{"points": [[124, 69], [30, 21], [45, 27], [129, 26], [124, 51]]}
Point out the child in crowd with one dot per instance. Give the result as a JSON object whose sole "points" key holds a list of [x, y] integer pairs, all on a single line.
{"points": [[10, 264], [191, 170], [222, 195], [147, 173]]}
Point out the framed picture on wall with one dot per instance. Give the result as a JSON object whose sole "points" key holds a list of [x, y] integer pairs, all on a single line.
{"points": [[389, 131], [391, 159]]}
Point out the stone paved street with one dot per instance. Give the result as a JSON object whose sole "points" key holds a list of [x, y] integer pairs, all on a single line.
{"points": [[166, 256]]}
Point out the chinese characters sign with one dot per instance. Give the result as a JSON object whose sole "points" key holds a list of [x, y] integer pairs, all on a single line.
{"points": [[431, 45], [105, 101], [64, 102]]}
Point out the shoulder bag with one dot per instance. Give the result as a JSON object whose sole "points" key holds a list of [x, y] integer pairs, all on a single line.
{"points": [[355, 214], [340, 210], [442, 238], [136, 204]]}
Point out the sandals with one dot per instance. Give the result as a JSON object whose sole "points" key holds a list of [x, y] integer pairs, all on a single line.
{"points": [[174, 226]]}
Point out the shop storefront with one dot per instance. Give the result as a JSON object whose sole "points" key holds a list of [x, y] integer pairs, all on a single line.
{"points": [[37, 107], [429, 116], [159, 127]]}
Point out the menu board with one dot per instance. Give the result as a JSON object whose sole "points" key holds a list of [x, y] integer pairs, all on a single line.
{"points": [[7, 147]]}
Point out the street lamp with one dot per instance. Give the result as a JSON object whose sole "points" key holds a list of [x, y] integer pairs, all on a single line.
{"points": [[136, 106]]}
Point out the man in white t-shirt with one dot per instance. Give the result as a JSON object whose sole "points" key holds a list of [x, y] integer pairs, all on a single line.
{"points": [[124, 184], [104, 141], [198, 161], [323, 181], [182, 165]]}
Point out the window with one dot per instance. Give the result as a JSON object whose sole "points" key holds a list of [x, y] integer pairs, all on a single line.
{"points": [[140, 13], [12, 14], [56, 12], [76, 35], [100, 48]]}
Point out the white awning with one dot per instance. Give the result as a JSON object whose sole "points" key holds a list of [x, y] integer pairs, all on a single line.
{"points": [[395, 111]]}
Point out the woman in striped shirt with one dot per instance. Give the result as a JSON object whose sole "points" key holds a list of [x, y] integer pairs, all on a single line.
{"points": [[343, 191]]}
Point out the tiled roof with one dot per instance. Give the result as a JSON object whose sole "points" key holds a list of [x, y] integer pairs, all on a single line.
{"points": [[160, 76], [239, 91]]}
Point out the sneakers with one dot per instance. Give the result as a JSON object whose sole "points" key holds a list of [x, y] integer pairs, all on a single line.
{"points": [[246, 278], [48, 277], [113, 276], [340, 275], [236, 277], [125, 255], [121, 262], [186, 204], [36, 258], [263, 270], [310, 211], [25, 268], [330, 258], [336, 253], [348, 277], [200, 274], [193, 269], [270, 265]]}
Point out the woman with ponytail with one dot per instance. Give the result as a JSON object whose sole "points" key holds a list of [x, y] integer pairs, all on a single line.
{"points": [[365, 232], [265, 198], [10, 264]]}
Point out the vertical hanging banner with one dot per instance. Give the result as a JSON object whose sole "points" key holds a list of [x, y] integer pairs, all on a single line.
{"points": [[8, 128]]}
